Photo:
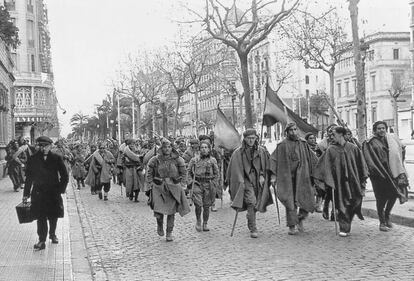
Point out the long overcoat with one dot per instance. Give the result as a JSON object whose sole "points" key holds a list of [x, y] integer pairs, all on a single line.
{"points": [[280, 166], [45, 181], [238, 168]]}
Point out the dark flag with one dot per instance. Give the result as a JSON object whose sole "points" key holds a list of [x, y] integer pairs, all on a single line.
{"points": [[276, 111], [225, 135]]}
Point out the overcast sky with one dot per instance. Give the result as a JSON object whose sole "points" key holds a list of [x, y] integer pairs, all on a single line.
{"points": [[91, 37]]}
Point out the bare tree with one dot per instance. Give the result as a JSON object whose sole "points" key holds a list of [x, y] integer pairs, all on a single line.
{"points": [[244, 29], [360, 96], [398, 86], [183, 69], [141, 81], [318, 41]]}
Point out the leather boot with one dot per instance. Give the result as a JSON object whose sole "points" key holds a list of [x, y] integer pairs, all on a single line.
{"points": [[54, 239], [39, 245], [170, 227], [160, 225], [206, 215], [251, 221], [136, 196], [198, 217]]}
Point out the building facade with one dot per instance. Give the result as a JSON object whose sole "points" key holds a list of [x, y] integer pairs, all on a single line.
{"points": [[6, 102], [35, 98], [387, 67]]}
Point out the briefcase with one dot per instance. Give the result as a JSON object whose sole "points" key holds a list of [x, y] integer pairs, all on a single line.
{"points": [[24, 213]]}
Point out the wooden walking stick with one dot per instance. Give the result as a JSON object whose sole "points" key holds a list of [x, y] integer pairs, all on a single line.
{"points": [[334, 210], [234, 223], [277, 204]]}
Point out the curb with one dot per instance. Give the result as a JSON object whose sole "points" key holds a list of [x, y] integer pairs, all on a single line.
{"points": [[400, 220], [81, 267]]}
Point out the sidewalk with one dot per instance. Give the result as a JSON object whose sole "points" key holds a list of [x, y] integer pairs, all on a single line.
{"points": [[401, 214], [18, 259]]}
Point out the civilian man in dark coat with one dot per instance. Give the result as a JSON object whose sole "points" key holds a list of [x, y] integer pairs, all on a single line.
{"points": [[46, 180]]}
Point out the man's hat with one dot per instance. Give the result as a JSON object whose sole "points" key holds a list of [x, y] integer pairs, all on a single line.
{"points": [[194, 141], [204, 137], [249, 132], [44, 140]]}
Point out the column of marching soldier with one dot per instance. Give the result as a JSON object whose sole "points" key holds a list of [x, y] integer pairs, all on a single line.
{"points": [[304, 176]]}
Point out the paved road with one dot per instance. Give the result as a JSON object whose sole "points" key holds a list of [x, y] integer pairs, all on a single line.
{"points": [[123, 245]]}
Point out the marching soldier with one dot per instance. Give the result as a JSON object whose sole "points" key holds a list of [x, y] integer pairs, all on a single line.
{"points": [[291, 166], [247, 177], [166, 178], [203, 174]]}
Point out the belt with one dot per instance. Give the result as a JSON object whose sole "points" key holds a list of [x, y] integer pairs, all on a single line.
{"points": [[201, 180]]}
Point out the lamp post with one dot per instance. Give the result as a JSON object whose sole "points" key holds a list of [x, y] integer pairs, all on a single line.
{"points": [[363, 49], [233, 94]]}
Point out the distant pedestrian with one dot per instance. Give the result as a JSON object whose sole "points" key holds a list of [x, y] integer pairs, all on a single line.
{"points": [[166, 177], [248, 179], [15, 165], [292, 166], [46, 180], [101, 170], [203, 174], [132, 165], [384, 157], [342, 168]]}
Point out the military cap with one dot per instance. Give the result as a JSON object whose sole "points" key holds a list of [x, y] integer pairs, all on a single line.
{"points": [[289, 125], [44, 139], [249, 132], [308, 135]]}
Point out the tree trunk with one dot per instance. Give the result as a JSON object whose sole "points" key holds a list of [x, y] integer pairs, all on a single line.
{"points": [[197, 121], [246, 89], [332, 95], [176, 114], [360, 96], [138, 120], [395, 115]]}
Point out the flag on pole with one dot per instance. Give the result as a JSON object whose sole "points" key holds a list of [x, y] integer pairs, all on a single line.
{"points": [[276, 111], [225, 135]]}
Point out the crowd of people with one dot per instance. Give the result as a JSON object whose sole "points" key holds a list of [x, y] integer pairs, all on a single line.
{"points": [[306, 176]]}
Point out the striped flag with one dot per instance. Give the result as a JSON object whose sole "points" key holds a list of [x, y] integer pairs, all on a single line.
{"points": [[276, 111], [225, 135]]}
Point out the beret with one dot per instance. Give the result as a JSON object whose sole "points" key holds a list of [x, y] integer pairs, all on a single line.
{"points": [[308, 135], [249, 132], [44, 139], [203, 137], [289, 125]]}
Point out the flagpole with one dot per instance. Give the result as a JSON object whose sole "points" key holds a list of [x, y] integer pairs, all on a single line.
{"points": [[264, 108]]}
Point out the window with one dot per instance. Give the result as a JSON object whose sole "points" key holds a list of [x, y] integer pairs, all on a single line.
{"points": [[354, 82], [347, 88], [348, 117], [307, 93], [396, 53], [30, 6], [32, 63], [339, 89], [306, 79], [373, 87], [373, 114]]}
